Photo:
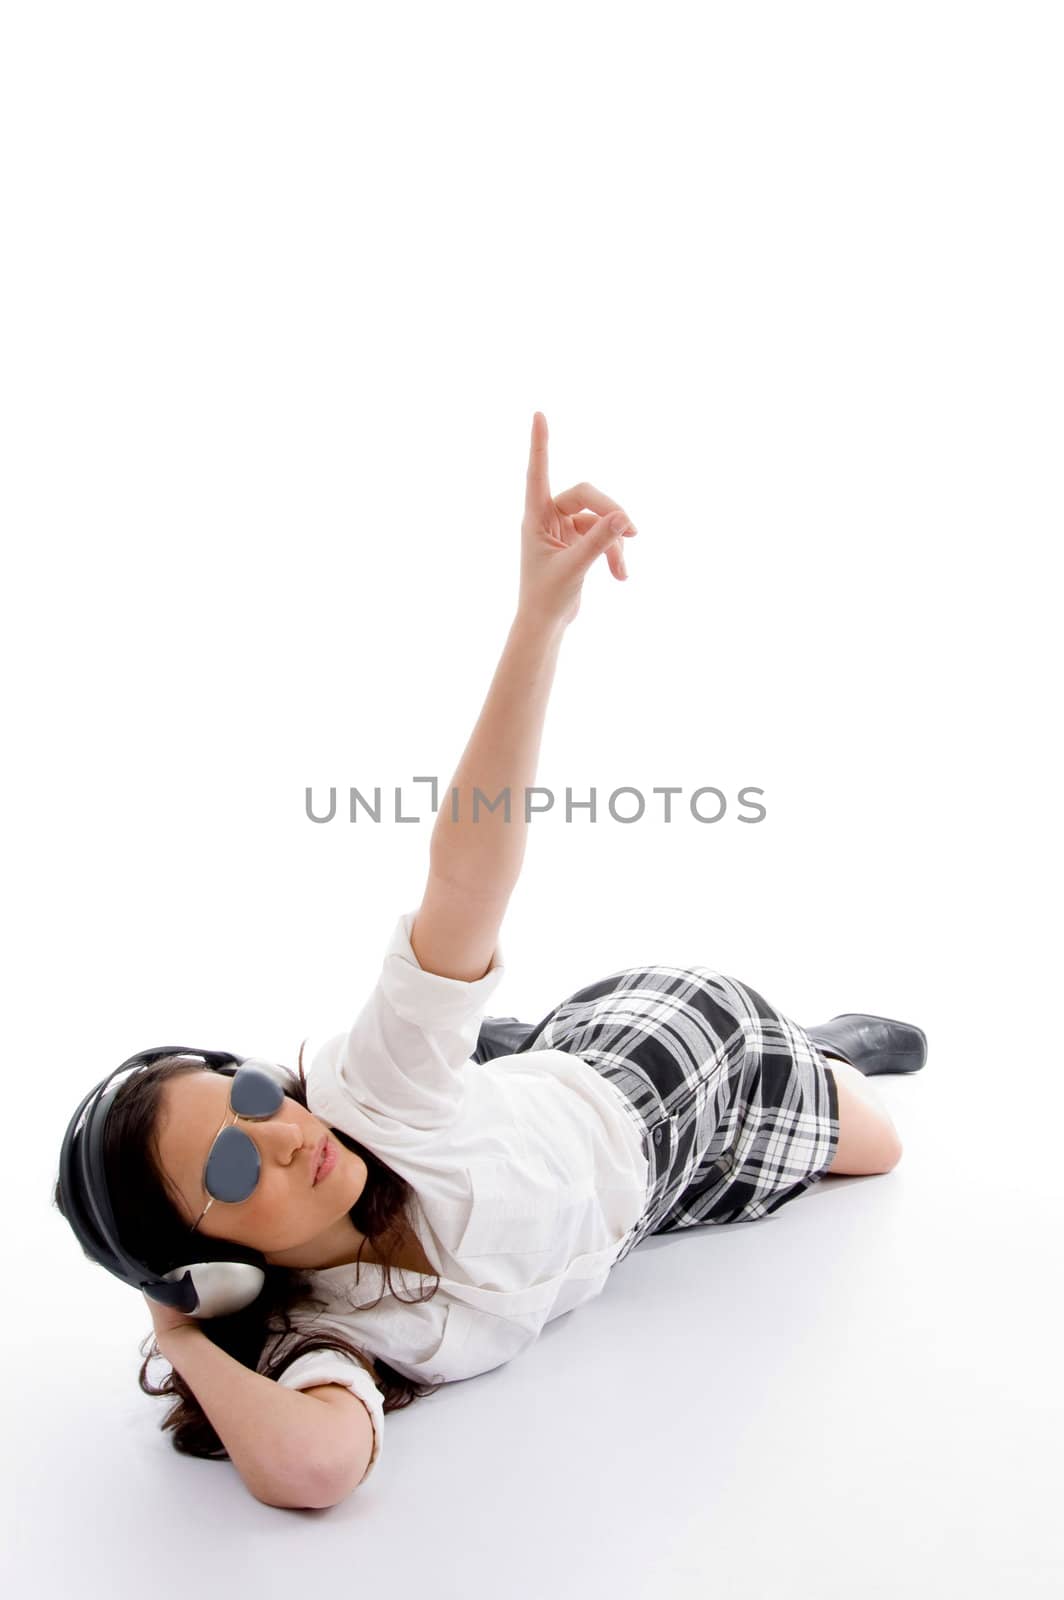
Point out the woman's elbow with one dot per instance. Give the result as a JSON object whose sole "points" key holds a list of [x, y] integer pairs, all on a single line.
{"points": [[312, 1489], [336, 1484]]}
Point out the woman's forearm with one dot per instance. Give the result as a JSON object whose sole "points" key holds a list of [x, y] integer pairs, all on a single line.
{"points": [[482, 852], [277, 1438]]}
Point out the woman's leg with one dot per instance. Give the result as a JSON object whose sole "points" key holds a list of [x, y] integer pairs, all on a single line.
{"points": [[868, 1139]]}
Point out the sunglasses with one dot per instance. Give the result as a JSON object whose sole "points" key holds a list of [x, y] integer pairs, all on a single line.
{"points": [[233, 1164]]}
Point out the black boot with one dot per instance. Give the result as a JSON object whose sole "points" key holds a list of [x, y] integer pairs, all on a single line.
{"points": [[872, 1044]]}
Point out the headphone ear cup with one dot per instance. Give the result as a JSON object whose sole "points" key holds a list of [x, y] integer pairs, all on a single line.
{"points": [[215, 1288]]}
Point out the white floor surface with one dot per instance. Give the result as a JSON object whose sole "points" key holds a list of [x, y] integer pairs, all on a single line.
{"points": [[857, 1396]]}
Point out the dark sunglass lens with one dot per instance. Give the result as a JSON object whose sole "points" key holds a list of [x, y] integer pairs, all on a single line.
{"points": [[255, 1093], [233, 1168]]}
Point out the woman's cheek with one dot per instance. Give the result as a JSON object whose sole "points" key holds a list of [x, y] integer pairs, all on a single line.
{"points": [[270, 1207], [285, 1204]]}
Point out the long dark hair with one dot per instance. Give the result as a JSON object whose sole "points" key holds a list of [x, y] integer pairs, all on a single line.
{"points": [[153, 1231]]}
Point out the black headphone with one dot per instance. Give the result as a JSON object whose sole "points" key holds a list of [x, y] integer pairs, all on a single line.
{"points": [[200, 1288]]}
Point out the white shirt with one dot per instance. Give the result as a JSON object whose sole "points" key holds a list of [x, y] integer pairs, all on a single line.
{"points": [[528, 1173]]}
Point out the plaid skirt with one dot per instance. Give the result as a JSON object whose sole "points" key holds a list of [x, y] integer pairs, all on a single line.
{"points": [[737, 1107]]}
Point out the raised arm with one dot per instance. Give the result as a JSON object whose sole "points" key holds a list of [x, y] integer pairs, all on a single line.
{"points": [[473, 866], [475, 858]]}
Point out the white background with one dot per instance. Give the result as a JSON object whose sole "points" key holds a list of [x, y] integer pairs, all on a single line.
{"points": [[283, 287]]}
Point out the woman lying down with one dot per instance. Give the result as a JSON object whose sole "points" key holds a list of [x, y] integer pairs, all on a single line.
{"points": [[320, 1247]]}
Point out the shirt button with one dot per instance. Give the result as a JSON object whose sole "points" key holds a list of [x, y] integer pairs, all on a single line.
{"points": [[657, 1135]]}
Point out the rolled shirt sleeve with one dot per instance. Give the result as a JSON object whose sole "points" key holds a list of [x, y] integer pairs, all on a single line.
{"points": [[335, 1366], [401, 1063]]}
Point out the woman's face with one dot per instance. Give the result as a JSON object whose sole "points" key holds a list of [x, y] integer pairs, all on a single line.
{"points": [[291, 1219]]}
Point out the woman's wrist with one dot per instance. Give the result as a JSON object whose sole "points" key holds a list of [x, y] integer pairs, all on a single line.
{"points": [[535, 624], [177, 1338]]}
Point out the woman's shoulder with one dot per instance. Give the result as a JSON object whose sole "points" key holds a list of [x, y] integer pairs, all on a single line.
{"points": [[305, 1321]]}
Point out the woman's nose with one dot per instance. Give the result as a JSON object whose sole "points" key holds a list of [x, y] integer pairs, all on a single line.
{"points": [[281, 1139]]}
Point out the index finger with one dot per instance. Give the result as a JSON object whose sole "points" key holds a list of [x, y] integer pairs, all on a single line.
{"points": [[585, 494], [537, 487]]}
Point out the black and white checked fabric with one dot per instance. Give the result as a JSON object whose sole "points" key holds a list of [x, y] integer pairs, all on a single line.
{"points": [[738, 1108]]}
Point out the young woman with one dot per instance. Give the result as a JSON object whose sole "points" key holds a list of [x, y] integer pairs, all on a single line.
{"points": [[501, 1187]]}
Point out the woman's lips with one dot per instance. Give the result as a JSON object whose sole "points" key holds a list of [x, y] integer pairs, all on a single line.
{"points": [[326, 1161]]}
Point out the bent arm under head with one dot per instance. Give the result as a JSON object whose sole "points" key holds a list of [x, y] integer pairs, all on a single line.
{"points": [[291, 1447]]}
